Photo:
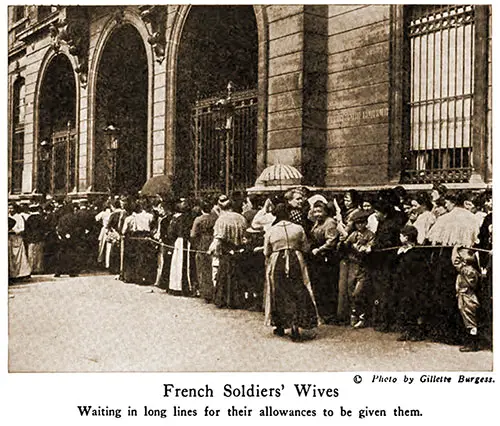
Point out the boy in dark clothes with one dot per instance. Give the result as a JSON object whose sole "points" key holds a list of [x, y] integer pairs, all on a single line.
{"points": [[411, 275], [391, 221]]}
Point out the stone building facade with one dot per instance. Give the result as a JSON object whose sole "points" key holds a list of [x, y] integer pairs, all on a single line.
{"points": [[362, 96]]}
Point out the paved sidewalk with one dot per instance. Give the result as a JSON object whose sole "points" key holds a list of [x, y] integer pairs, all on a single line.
{"points": [[96, 323]]}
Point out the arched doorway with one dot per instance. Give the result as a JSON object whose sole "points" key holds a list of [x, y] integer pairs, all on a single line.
{"points": [[57, 128], [121, 102], [216, 147]]}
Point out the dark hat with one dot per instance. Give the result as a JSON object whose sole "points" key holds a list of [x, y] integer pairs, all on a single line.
{"points": [[360, 216], [410, 231], [453, 196], [424, 199], [440, 188], [223, 201], [400, 191]]}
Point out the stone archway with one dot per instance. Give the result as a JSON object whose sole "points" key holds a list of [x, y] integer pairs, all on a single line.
{"points": [[121, 99], [57, 128], [223, 36], [218, 44]]}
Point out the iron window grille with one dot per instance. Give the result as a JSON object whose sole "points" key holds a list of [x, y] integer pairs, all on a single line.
{"points": [[440, 44]]}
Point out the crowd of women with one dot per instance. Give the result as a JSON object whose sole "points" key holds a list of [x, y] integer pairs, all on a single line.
{"points": [[418, 264]]}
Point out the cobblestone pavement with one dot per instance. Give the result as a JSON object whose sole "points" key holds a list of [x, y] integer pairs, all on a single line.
{"points": [[97, 323]]}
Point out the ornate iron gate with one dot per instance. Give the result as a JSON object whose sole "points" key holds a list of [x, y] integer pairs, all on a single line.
{"points": [[62, 163], [224, 137]]}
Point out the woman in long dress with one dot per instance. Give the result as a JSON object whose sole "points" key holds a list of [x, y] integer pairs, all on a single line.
{"points": [[19, 266], [201, 236], [103, 218], [289, 301], [457, 227], [181, 271], [128, 270], [164, 252], [324, 261], [227, 249], [113, 235]]}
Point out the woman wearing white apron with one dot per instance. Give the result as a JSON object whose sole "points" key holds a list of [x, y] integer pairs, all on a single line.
{"points": [[181, 270], [19, 266]]}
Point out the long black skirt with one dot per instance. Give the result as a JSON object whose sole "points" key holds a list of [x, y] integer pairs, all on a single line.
{"points": [[291, 302]]}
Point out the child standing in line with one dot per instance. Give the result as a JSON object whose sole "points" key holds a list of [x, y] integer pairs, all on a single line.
{"points": [[411, 275], [465, 262], [358, 245]]}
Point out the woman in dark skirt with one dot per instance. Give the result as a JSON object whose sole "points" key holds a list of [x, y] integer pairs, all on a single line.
{"points": [[201, 236], [128, 270], [324, 261], [289, 300]]}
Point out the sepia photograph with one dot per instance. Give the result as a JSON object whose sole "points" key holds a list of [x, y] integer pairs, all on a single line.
{"points": [[249, 188]]}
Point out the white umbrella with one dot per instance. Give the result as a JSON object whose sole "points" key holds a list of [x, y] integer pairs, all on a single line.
{"points": [[279, 174]]}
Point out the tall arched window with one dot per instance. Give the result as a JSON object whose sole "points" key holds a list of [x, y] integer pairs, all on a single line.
{"points": [[18, 114]]}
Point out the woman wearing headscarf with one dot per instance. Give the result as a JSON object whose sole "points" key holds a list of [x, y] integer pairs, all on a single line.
{"points": [[323, 261], [289, 299]]}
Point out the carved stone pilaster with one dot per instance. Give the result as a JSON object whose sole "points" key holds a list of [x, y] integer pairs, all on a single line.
{"points": [[156, 17], [72, 30]]}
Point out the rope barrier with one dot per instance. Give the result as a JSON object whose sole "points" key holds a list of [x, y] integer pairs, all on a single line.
{"points": [[429, 246], [159, 243]]}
